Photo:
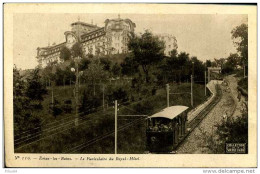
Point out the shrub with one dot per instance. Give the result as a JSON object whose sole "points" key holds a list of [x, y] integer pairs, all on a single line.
{"points": [[55, 108], [243, 83], [233, 130], [118, 93]]}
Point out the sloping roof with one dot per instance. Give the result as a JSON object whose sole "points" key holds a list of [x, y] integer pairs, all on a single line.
{"points": [[85, 24], [170, 112]]}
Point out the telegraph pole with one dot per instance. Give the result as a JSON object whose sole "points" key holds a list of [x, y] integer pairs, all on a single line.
{"points": [[77, 80], [205, 83], [168, 95], [191, 90], [115, 126], [193, 69], [52, 95], [77, 92]]}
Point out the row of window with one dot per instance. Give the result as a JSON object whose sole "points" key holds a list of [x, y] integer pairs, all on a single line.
{"points": [[93, 35], [94, 40]]}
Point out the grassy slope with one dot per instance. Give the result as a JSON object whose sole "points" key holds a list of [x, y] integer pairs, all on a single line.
{"points": [[130, 140]]}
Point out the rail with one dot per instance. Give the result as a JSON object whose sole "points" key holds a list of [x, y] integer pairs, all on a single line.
{"points": [[201, 115]]}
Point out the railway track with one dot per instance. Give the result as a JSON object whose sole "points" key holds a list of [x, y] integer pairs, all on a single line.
{"points": [[197, 120]]}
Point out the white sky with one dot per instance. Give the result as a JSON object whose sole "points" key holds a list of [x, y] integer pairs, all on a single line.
{"points": [[204, 36]]}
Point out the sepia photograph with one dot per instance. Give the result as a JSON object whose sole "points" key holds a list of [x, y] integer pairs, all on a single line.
{"points": [[118, 83]]}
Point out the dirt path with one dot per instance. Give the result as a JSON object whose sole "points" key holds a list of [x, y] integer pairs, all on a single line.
{"points": [[195, 143]]}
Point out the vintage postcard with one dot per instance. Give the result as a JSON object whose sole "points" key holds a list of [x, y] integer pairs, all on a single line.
{"points": [[130, 85]]}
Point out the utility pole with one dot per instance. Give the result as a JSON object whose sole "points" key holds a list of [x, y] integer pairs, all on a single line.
{"points": [[191, 90], [77, 81], [205, 83], [192, 69], [77, 92], [168, 95], [52, 95], [115, 126], [208, 75]]}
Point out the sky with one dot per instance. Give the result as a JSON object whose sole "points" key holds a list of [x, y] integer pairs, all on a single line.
{"points": [[206, 36]]}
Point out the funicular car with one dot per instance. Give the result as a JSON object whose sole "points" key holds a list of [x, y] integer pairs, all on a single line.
{"points": [[166, 128]]}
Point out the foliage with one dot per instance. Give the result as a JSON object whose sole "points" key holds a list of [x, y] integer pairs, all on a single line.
{"points": [[243, 83], [55, 108], [89, 103], [77, 51], [116, 70], [106, 63], [178, 68], [129, 66], [220, 62], [231, 130], [83, 64], [117, 93], [95, 72], [208, 63], [35, 90], [147, 50], [28, 94], [230, 64], [240, 36], [65, 54]]}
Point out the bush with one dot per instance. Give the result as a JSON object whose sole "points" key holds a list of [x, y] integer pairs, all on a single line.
{"points": [[243, 83], [233, 130], [55, 108], [118, 93]]}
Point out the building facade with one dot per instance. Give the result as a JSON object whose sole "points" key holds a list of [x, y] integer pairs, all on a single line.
{"points": [[110, 39], [170, 42]]}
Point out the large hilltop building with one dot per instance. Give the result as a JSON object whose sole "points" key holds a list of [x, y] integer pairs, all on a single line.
{"points": [[110, 39]]}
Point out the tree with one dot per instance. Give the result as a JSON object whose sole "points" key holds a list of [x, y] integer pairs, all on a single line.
{"points": [[106, 63], [27, 107], [129, 66], [184, 66], [198, 69], [208, 63], [147, 50], [77, 50], [169, 67], [233, 60], [89, 103], [240, 37], [116, 69], [84, 62], [35, 90], [231, 63], [65, 54], [220, 62], [95, 73]]}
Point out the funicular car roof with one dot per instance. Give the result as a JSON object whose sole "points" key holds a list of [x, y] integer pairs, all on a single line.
{"points": [[170, 112]]}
